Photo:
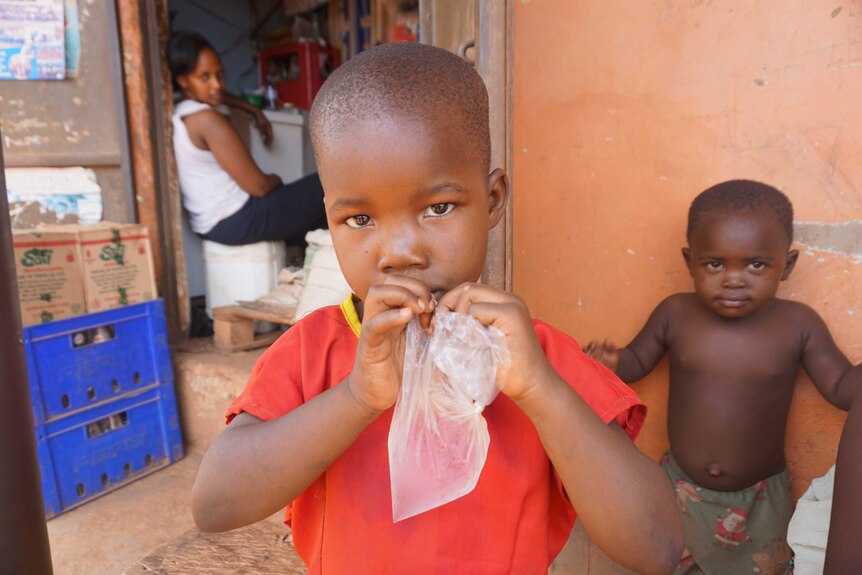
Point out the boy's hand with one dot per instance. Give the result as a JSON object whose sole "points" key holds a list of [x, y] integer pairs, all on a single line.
{"points": [[510, 315], [387, 309], [605, 352]]}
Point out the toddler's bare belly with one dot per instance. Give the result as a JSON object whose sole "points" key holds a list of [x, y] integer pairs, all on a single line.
{"points": [[728, 463]]}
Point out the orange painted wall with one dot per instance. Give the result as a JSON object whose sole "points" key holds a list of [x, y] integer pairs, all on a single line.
{"points": [[624, 111]]}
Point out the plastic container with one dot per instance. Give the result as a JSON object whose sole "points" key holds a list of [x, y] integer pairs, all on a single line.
{"points": [[107, 447], [79, 363], [103, 399], [241, 273]]}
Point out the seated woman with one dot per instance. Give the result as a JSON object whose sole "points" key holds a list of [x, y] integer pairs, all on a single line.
{"points": [[230, 200]]}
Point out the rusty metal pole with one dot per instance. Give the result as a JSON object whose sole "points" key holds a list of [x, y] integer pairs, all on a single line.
{"points": [[23, 532]]}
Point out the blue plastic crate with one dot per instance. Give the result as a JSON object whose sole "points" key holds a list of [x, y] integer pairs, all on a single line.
{"points": [[107, 447], [85, 361], [105, 411]]}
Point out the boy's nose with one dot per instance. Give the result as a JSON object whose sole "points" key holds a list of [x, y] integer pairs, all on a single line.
{"points": [[401, 252]]}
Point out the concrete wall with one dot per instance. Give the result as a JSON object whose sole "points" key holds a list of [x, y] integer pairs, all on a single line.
{"points": [[624, 111]]}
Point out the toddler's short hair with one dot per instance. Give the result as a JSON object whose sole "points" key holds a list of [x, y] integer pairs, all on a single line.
{"points": [[741, 195], [405, 80]]}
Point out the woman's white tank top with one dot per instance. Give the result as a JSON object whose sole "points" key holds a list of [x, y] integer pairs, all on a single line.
{"points": [[209, 193]]}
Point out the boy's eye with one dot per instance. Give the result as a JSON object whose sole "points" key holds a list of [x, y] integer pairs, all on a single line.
{"points": [[756, 266], [359, 221], [439, 209], [715, 266]]}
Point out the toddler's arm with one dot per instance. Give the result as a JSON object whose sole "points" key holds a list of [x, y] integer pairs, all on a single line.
{"points": [[623, 498], [828, 367], [255, 468], [843, 552], [639, 357]]}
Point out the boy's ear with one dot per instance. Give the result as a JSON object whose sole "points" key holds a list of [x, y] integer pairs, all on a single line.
{"points": [[686, 255], [498, 196], [792, 256]]}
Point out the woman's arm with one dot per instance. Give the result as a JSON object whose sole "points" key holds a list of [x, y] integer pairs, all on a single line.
{"points": [[260, 118], [209, 130]]}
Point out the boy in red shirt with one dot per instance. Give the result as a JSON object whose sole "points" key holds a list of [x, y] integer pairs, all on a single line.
{"points": [[402, 144]]}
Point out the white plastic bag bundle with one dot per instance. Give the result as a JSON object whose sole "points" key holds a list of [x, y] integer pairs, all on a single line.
{"points": [[438, 440]]}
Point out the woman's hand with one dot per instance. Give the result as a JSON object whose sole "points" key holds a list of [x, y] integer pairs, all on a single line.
{"points": [[263, 126], [387, 309]]}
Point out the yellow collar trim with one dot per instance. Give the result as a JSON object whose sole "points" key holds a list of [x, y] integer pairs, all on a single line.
{"points": [[348, 308]]}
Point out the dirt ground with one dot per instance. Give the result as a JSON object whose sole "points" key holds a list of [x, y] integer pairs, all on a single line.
{"points": [[109, 534]]}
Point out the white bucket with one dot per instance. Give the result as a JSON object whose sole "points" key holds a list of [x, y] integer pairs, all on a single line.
{"points": [[240, 273]]}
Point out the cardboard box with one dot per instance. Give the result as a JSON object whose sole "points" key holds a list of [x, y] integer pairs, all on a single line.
{"points": [[50, 284], [116, 263]]}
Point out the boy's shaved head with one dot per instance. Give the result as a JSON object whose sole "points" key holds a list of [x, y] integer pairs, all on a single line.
{"points": [[741, 195], [409, 82]]}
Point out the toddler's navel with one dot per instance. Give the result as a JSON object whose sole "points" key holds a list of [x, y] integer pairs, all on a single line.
{"points": [[714, 469]]}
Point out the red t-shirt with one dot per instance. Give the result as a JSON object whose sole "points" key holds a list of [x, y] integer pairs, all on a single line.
{"points": [[516, 520]]}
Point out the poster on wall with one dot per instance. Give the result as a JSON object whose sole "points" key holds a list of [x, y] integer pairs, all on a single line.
{"points": [[32, 40]]}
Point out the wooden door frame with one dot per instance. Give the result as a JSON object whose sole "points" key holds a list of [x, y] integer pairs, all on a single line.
{"points": [[144, 29], [491, 38], [494, 45]]}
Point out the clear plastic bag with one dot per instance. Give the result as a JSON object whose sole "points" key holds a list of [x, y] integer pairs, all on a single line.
{"points": [[438, 440]]}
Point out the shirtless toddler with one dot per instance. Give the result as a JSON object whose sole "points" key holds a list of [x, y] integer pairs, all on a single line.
{"points": [[734, 351]]}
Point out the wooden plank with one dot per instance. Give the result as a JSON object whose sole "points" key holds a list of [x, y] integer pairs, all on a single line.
{"points": [[283, 314], [234, 325]]}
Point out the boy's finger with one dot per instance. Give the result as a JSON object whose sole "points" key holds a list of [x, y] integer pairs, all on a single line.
{"points": [[504, 316], [423, 294], [392, 296], [462, 297], [425, 320], [379, 326]]}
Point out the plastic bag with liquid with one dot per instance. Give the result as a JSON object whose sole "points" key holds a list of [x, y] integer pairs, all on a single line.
{"points": [[438, 440]]}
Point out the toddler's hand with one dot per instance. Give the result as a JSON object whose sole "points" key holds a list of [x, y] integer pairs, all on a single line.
{"points": [[387, 309], [606, 352], [510, 315]]}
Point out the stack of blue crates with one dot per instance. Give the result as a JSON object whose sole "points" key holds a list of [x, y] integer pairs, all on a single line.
{"points": [[103, 398]]}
